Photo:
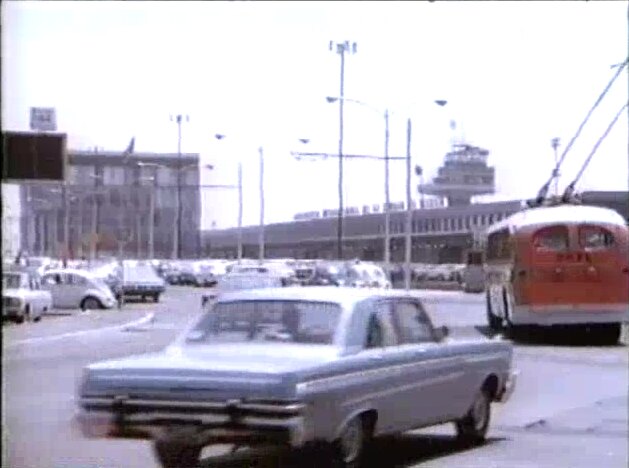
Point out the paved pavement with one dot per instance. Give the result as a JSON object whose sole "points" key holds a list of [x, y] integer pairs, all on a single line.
{"points": [[569, 410]]}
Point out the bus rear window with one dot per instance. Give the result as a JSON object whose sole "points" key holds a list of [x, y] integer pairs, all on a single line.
{"points": [[551, 239], [595, 238]]}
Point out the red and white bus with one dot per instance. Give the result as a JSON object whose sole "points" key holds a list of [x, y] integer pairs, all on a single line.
{"points": [[559, 265]]}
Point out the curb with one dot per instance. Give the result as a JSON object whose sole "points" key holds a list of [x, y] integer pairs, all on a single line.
{"points": [[149, 317]]}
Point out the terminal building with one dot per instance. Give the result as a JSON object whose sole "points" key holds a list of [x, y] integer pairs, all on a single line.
{"points": [[444, 226], [439, 235], [107, 198]]}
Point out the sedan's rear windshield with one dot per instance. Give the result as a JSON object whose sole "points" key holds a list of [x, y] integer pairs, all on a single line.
{"points": [[267, 321]]}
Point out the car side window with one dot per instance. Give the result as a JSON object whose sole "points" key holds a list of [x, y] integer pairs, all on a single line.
{"points": [[76, 280], [412, 323], [380, 329], [51, 280]]}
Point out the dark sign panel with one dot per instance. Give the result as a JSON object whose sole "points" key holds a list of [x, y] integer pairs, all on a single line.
{"points": [[33, 156]]}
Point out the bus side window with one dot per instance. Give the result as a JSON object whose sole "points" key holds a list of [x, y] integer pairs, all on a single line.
{"points": [[595, 238], [554, 238]]}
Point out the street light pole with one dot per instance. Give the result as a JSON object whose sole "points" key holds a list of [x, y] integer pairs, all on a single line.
{"points": [[387, 216], [239, 234], [66, 223], [341, 49], [409, 211], [80, 246], [261, 228], [42, 234], [176, 252], [151, 253]]}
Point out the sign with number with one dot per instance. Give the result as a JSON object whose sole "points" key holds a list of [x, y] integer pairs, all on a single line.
{"points": [[43, 119]]}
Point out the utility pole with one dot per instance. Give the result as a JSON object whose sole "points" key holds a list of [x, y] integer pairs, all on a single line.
{"points": [[151, 252], [387, 217], [95, 215], [239, 234], [409, 211], [341, 48], [66, 223], [261, 229], [80, 235], [176, 252], [555, 145]]}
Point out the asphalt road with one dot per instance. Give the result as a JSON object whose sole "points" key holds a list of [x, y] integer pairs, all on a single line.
{"points": [[569, 409]]}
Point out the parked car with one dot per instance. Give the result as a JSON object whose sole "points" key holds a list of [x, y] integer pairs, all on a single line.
{"points": [[140, 279], [186, 273], [366, 275], [295, 366], [207, 274], [286, 273], [240, 282], [328, 274], [171, 273], [23, 299], [74, 289]]}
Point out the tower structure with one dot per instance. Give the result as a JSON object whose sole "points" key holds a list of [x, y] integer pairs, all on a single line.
{"points": [[464, 174]]}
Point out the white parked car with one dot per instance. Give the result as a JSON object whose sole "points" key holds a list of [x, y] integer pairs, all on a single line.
{"points": [[206, 273], [73, 289], [22, 296], [366, 275]]}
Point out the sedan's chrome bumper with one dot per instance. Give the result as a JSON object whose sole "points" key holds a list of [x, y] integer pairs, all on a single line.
{"points": [[287, 426], [509, 386]]}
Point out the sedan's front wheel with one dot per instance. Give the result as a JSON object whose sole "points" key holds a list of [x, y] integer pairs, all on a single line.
{"points": [[172, 454], [472, 428], [352, 443]]}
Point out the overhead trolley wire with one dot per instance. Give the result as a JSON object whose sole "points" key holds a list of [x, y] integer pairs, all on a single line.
{"points": [[541, 195], [570, 188]]}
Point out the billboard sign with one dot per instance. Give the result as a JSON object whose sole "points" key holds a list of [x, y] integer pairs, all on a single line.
{"points": [[43, 119], [33, 156]]}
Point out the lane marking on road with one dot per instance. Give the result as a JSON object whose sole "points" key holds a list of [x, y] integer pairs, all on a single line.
{"points": [[149, 317]]}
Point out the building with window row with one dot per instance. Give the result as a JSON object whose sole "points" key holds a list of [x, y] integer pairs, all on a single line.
{"points": [[107, 198], [438, 235]]}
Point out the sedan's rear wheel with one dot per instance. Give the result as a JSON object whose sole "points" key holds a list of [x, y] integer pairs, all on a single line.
{"points": [[176, 454], [472, 428]]}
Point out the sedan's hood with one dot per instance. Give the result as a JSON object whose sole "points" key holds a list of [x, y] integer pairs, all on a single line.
{"points": [[209, 371]]}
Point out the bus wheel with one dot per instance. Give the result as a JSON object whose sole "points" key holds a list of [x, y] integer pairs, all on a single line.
{"points": [[607, 334], [494, 322], [510, 328]]}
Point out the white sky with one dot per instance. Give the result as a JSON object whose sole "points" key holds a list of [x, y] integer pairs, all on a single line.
{"points": [[515, 75]]}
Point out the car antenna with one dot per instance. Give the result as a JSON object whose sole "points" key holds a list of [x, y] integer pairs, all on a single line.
{"points": [[543, 191], [568, 194]]}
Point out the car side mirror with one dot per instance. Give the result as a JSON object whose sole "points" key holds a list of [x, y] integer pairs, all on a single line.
{"points": [[442, 332]]}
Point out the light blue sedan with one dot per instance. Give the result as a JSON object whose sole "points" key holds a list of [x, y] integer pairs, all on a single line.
{"points": [[294, 367]]}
